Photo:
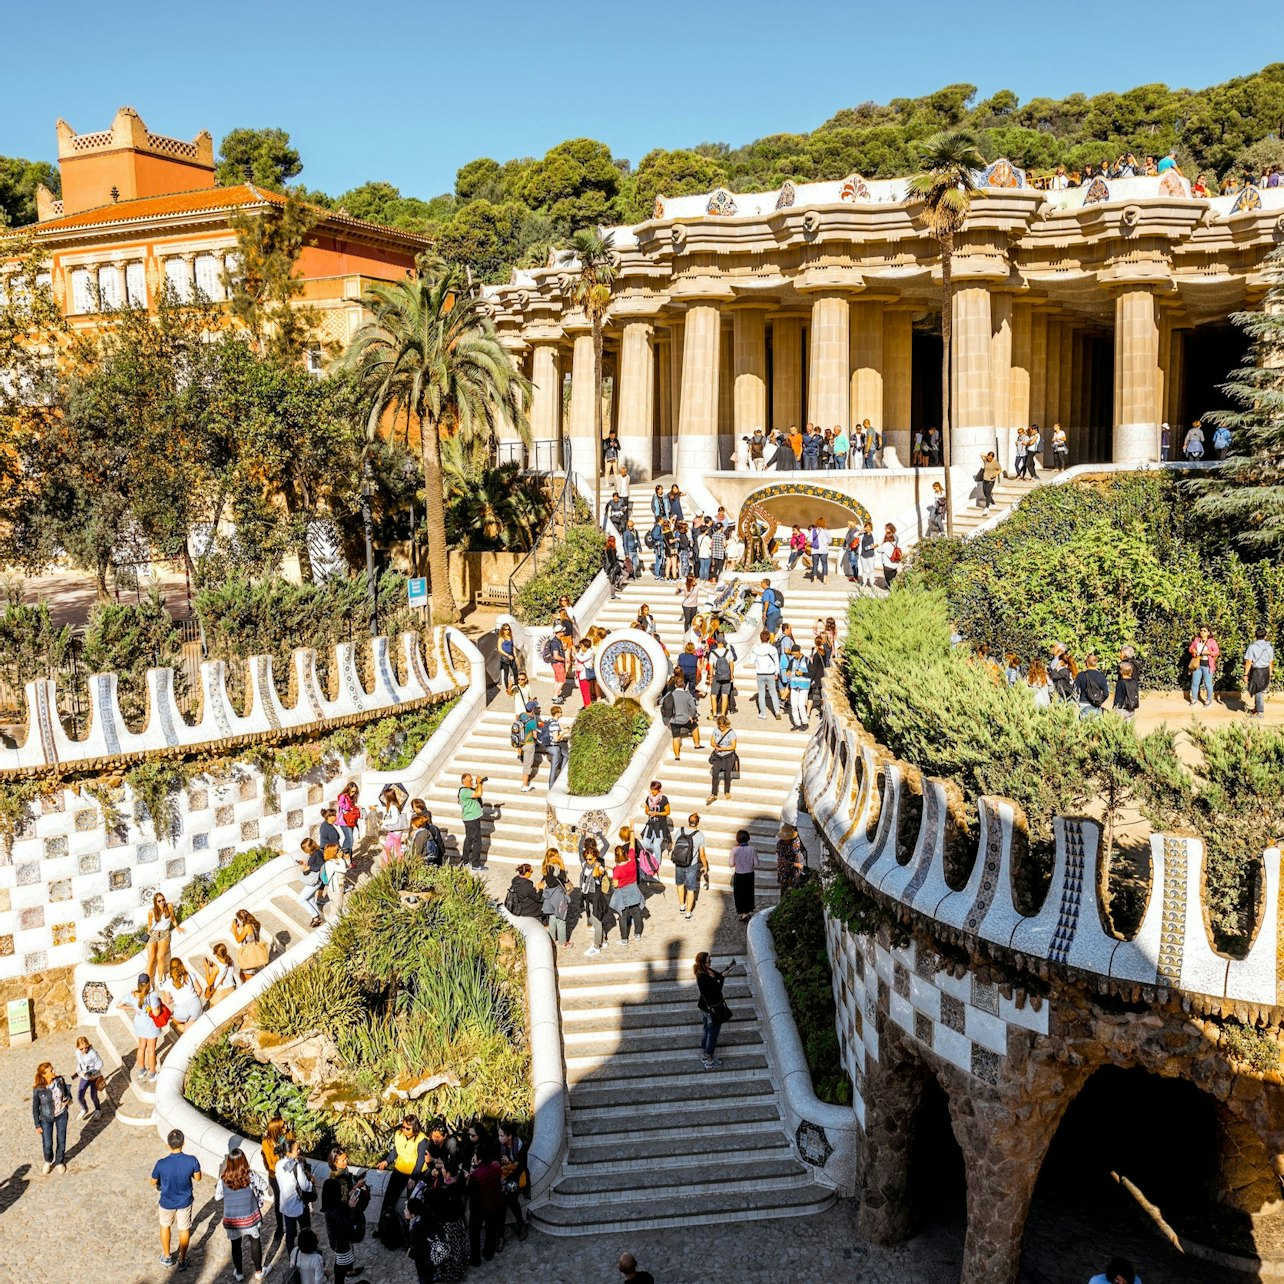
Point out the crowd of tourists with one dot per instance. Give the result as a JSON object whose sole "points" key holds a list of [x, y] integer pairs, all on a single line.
{"points": [[812, 448]]}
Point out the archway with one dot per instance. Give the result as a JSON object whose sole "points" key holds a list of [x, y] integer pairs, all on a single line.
{"points": [[1209, 353], [802, 503]]}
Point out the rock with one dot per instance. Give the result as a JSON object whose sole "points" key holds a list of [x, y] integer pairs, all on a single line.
{"points": [[411, 1089]]}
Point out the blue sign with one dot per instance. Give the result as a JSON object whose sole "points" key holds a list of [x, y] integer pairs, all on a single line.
{"points": [[417, 591]]}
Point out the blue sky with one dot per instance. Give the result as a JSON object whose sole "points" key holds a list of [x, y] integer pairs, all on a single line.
{"points": [[408, 92]]}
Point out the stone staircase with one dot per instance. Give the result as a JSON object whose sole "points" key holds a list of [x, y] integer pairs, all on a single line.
{"points": [[1007, 491]]}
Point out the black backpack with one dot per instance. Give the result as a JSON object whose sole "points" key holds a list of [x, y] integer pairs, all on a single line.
{"points": [[666, 708], [722, 666], [683, 852], [1095, 693]]}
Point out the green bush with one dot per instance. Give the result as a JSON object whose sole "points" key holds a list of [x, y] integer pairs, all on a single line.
{"points": [[569, 570], [129, 638], [392, 744], [603, 738], [1257, 1049], [402, 992], [798, 929], [118, 941], [205, 888]]}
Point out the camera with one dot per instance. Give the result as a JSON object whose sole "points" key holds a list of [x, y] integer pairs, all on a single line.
{"points": [[481, 780]]}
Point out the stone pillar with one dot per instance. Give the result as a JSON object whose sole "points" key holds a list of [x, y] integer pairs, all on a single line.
{"points": [[506, 435], [749, 326], [1039, 371], [1175, 383], [828, 391], [786, 373], [1001, 373], [1137, 406], [1021, 372], [898, 372], [867, 363], [971, 405], [1066, 389], [662, 457], [1081, 434], [636, 386], [727, 442], [546, 400], [696, 450], [583, 395]]}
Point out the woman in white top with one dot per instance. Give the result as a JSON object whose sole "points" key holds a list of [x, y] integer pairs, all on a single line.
{"points": [[220, 975], [307, 1257], [889, 555], [182, 996], [140, 1006], [162, 919], [293, 1179]]}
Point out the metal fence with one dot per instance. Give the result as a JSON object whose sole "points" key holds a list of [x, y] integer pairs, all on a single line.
{"points": [[547, 455]]}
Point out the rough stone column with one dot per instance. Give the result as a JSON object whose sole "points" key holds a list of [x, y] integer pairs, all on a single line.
{"points": [[749, 326], [971, 405], [637, 399], [898, 373], [868, 365], [828, 393], [583, 395], [786, 372], [1137, 406], [1001, 373], [1038, 370], [546, 402], [726, 398], [1020, 375], [696, 450]]}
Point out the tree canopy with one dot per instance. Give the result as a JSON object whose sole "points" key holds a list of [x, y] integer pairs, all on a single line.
{"points": [[260, 156]]}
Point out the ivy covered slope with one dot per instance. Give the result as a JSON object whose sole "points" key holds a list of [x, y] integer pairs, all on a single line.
{"points": [[568, 571], [402, 992], [603, 738]]}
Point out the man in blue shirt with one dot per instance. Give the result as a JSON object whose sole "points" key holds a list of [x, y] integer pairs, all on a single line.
{"points": [[173, 1177], [770, 608]]}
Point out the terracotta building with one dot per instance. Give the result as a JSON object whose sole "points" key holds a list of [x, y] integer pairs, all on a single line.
{"points": [[139, 210]]}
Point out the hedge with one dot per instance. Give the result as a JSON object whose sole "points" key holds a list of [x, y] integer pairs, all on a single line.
{"points": [[603, 738], [569, 570]]}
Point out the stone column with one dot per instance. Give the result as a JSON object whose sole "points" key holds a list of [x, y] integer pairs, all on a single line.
{"points": [[1001, 373], [828, 391], [749, 327], [546, 399], [898, 373], [1020, 376], [662, 458], [696, 450], [786, 373], [971, 404], [867, 363], [583, 395], [1137, 406], [727, 442], [1065, 401], [1174, 384], [677, 341], [506, 434], [637, 399], [1038, 413]]}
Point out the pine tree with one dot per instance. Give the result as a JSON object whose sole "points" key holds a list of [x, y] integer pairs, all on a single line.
{"points": [[1247, 490]]}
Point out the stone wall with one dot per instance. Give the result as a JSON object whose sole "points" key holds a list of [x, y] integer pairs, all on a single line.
{"points": [[53, 1000]]}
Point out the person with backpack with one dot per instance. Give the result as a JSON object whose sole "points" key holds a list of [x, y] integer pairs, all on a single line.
{"points": [[1221, 441], [626, 899], [406, 1162], [890, 555], [427, 842], [294, 1180], [552, 740], [349, 816], [798, 679], [553, 652], [723, 760], [690, 864], [555, 903], [679, 711], [772, 605], [311, 867], [344, 1200], [524, 737], [585, 673], [658, 829], [713, 1007], [595, 894], [522, 900], [244, 1194], [1091, 688], [470, 812], [1127, 691], [50, 1106], [721, 658], [766, 667]]}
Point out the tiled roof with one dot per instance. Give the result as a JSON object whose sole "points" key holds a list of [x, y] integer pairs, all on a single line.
{"points": [[206, 200]]}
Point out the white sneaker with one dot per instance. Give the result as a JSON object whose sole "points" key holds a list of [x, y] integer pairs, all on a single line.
{"points": [[592, 950], [62, 1168], [84, 1114], [526, 789], [48, 1168]]}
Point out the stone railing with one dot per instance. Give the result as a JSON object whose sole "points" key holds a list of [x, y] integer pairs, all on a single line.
{"points": [[108, 741], [891, 827]]}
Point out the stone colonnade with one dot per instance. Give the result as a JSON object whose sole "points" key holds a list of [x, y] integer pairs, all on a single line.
{"points": [[694, 376]]}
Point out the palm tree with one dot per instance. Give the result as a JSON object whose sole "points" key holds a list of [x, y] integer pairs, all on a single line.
{"points": [[945, 187], [430, 352], [591, 293]]}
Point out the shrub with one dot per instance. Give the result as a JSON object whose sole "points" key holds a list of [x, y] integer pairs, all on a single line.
{"points": [[127, 639], [798, 929], [118, 941], [603, 738], [392, 744], [205, 888], [569, 570], [1258, 1049]]}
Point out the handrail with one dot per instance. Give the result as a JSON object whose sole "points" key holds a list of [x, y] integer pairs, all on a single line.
{"points": [[563, 505]]}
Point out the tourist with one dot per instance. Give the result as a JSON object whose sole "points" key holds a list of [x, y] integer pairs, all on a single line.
{"points": [[506, 649], [798, 679], [657, 831], [1063, 671], [632, 546], [307, 1259], [1011, 668], [791, 857], [757, 451], [713, 1007], [718, 551], [659, 507], [181, 996], [393, 813], [220, 975], [555, 902], [889, 555], [344, 1200], [89, 1072], [1038, 684], [742, 862], [935, 514], [815, 677], [522, 900], [595, 894], [720, 659], [485, 1202], [243, 1193], [328, 832], [50, 1105], [294, 1180], [772, 605], [408, 1159], [1203, 664], [311, 866], [797, 547], [334, 877], [679, 710], [686, 549], [674, 501], [1091, 688], [1259, 663], [1119, 1270], [704, 553], [141, 1006], [626, 899], [1060, 447], [841, 446], [934, 446], [1127, 691], [989, 472], [1165, 442], [1033, 448], [1221, 441], [811, 449], [585, 672], [611, 457], [629, 1269], [252, 954], [688, 665], [672, 561], [516, 1175], [1193, 445], [690, 595], [349, 816], [173, 1178], [273, 1151], [873, 445], [162, 921], [654, 541], [765, 670], [868, 556], [690, 864], [723, 760], [1019, 453], [819, 551], [470, 812], [526, 733], [427, 843]]}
